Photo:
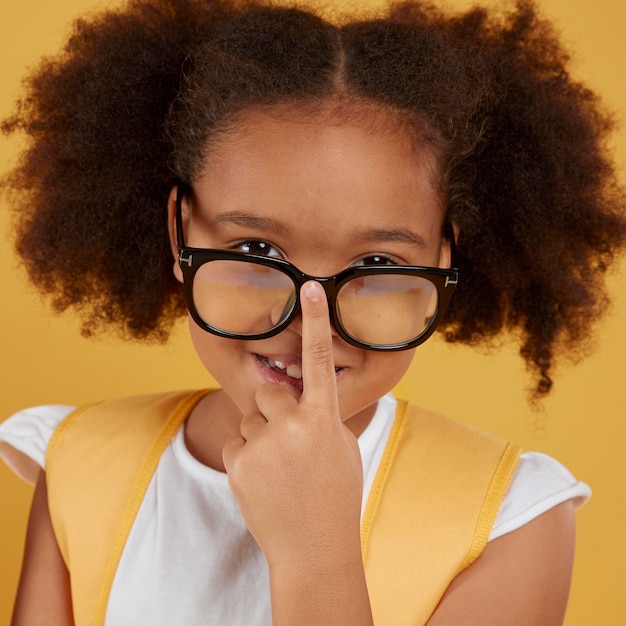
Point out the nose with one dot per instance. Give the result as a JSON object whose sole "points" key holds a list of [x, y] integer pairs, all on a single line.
{"points": [[296, 325]]}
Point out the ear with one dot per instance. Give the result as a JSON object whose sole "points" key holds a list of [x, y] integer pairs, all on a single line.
{"points": [[445, 251], [171, 229]]}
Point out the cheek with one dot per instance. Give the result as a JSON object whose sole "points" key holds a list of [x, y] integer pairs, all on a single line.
{"points": [[198, 338], [211, 350], [379, 373], [391, 365]]}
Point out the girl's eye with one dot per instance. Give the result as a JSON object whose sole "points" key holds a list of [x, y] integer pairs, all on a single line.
{"points": [[375, 259], [260, 248]]}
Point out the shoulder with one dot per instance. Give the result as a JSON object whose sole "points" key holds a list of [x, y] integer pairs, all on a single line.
{"points": [[28, 437], [530, 483], [539, 484], [122, 422], [24, 438], [522, 577]]}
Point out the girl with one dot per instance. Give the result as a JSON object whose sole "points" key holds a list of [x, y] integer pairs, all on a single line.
{"points": [[319, 189]]}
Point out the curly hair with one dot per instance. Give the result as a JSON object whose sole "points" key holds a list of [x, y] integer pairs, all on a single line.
{"points": [[130, 106]]}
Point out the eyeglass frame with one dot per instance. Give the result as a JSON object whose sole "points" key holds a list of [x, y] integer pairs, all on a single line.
{"points": [[191, 259]]}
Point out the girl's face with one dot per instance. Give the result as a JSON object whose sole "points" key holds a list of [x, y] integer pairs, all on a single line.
{"points": [[325, 197]]}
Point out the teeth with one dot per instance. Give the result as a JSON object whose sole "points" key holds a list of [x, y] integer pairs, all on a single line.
{"points": [[294, 371]]}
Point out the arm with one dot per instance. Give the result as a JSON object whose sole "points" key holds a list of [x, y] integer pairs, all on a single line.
{"points": [[297, 474], [43, 595], [283, 470], [521, 579]]}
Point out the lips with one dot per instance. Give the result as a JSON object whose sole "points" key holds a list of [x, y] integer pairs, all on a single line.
{"points": [[285, 370], [291, 369]]}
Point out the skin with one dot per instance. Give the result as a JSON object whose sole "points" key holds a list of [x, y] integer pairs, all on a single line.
{"points": [[311, 192], [324, 196]]}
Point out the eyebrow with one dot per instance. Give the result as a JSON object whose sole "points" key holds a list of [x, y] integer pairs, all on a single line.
{"points": [[270, 225], [255, 222], [383, 235]]}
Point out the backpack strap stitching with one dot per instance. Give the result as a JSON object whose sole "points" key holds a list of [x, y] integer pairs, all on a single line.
{"points": [[380, 479], [144, 477], [491, 505]]}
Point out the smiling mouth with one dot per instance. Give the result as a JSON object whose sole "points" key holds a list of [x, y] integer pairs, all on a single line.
{"points": [[290, 369], [287, 369]]}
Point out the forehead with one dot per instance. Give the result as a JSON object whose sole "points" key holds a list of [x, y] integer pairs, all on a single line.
{"points": [[324, 166], [390, 133]]}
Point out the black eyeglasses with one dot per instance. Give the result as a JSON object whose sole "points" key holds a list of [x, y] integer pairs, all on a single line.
{"points": [[245, 296]]}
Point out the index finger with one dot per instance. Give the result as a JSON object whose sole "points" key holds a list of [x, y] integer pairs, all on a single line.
{"points": [[318, 364]]}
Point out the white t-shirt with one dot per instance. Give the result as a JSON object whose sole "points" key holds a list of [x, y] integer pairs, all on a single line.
{"points": [[189, 540]]}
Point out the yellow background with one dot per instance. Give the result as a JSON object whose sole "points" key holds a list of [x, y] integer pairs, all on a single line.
{"points": [[44, 359]]}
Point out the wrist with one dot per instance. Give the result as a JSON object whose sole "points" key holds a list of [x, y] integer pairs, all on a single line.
{"points": [[320, 587]]}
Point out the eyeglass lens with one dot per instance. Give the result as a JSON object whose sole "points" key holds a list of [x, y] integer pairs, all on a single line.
{"points": [[249, 298]]}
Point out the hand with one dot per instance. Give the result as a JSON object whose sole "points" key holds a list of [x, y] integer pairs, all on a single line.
{"points": [[296, 469]]}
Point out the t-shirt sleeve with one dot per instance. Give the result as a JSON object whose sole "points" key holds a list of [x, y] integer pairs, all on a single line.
{"points": [[539, 484], [24, 438]]}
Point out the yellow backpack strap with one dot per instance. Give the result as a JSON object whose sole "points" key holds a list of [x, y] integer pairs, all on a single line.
{"points": [[429, 515], [99, 464], [430, 512]]}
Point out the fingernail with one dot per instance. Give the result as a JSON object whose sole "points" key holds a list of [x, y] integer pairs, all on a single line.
{"points": [[313, 290]]}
